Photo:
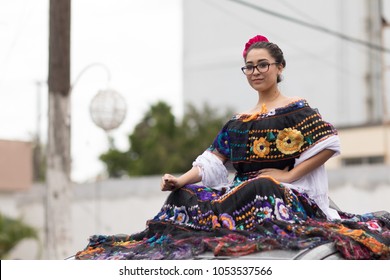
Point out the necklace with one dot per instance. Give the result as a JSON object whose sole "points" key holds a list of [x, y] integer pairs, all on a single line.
{"points": [[264, 108]]}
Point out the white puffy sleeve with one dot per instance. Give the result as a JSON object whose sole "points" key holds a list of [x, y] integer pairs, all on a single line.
{"points": [[212, 170], [315, 183]]}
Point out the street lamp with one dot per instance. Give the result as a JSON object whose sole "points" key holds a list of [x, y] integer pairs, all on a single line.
{"points": [[108, 110]]}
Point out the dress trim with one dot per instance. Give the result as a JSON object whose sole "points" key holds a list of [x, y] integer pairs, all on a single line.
{"points": [[246, 117]]}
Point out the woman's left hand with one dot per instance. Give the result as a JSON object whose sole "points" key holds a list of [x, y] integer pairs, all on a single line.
{"points": [[280, 175], [169, 183]]}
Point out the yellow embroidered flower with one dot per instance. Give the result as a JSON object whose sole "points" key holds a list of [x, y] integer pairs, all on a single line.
{"points": [[214, 222], [289, 141], [261, 147]]}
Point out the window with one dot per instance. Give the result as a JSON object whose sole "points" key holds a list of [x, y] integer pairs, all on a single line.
{"points": [[363, 160]]}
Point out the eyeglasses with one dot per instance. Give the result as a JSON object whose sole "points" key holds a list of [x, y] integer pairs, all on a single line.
{"points": [[261, 67]]}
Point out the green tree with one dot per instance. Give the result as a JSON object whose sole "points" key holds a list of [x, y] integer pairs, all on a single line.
{"points": [[160, 144], [116, 162], [153, 141], [12, 231], [198, 130]]}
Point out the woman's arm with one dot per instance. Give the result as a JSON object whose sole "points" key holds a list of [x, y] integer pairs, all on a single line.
{"points": [[171, 183], [300, 170], [192, 176]]}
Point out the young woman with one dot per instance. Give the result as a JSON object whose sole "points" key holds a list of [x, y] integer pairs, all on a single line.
{"points": [[278, 197]]}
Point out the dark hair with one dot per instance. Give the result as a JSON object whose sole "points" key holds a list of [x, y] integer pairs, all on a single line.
{"points": [[273, 50]]}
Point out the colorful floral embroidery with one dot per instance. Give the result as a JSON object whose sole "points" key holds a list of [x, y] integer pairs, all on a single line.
{"points": [[372, 225], [227, 221], [281, 211], [222, 143], [181, 215], [264, 213], [261, 147], [215, 223], [263, 220], [289, 141]]}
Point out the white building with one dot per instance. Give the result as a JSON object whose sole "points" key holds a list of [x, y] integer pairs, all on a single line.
{"points": [[331, 72]]}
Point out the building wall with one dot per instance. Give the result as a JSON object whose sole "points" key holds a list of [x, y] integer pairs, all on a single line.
{"points": [[16, 169], [366, 141], [326, 70], [106, 207], [368, 144]]}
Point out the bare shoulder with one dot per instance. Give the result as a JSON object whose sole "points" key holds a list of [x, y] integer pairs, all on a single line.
{"points": [[247, 112], [292, 99], [287, 100], [283, 101]]}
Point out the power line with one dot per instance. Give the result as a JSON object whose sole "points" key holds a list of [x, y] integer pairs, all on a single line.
{"points": [[294, 9], [248, 21], [315, 27]]}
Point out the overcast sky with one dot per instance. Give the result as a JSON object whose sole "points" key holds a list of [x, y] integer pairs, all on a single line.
{"points": [[138, 42]]}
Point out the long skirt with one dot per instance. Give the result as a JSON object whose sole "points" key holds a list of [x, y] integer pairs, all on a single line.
{"points": [[258, 215]]}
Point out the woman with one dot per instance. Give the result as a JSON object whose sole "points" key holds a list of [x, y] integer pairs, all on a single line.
{"points": [[278, 198]]}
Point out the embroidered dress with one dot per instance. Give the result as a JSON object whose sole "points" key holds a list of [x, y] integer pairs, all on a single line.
{"points": [[254, 213]]}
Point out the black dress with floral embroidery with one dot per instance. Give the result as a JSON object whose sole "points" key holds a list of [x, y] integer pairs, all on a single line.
{"points": [[274, 140], [254, 214]]}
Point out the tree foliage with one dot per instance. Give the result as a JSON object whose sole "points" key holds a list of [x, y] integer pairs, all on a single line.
{"points": [[161, 144], [12, 231]]}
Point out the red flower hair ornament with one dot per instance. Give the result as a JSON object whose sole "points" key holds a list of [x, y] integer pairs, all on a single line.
{"points": [[257, 38]]}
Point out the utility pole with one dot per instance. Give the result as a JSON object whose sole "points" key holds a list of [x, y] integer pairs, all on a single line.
{"points": [[375, 80], [386, 120], [37, 155], [58, 198]]}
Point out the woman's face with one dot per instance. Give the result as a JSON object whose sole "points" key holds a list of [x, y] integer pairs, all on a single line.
{"points": [[262, 80]]}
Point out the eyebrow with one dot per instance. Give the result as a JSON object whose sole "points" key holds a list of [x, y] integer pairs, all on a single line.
{"points": [[260, 60]]}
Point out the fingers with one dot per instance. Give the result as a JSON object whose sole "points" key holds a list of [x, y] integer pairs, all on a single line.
{"points": [[263, 171], [269, 170], [168, 182]]}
